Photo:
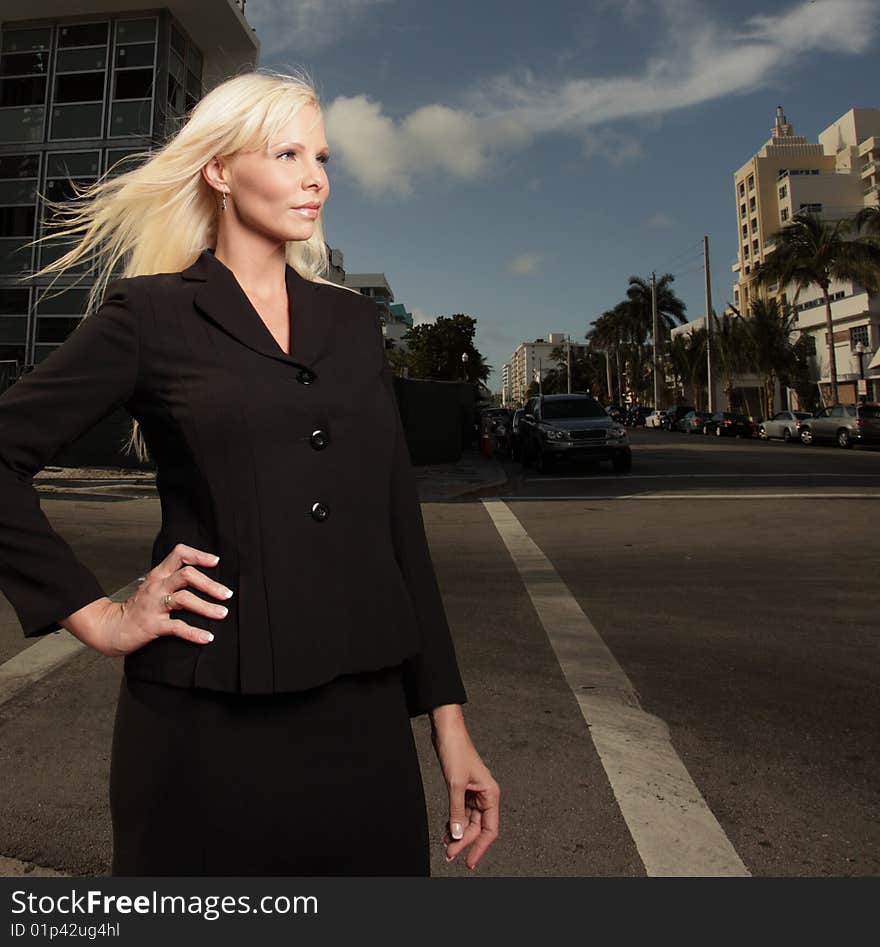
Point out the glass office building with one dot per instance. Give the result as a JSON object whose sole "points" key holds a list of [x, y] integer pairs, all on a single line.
{"points": [[76, 96]]}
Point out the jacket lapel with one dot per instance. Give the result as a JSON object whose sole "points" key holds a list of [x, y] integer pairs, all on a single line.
{"points": [[223, 301]]}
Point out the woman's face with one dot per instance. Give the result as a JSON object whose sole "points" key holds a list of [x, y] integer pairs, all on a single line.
{"points": [[265, 187]]}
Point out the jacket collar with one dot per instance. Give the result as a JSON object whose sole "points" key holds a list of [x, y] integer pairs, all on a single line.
{"points": [[221, 299]]}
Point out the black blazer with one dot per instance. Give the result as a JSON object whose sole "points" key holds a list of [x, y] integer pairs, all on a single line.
{"points": [[293, 469]]}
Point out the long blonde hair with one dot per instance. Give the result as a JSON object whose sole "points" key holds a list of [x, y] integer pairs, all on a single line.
{"points": [[160, 215]]}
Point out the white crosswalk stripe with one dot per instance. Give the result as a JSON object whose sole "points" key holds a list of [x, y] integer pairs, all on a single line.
{"points": [[673, 828]]}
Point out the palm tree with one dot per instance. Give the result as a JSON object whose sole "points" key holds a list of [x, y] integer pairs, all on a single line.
{"points": [[812, 252], [730, 349], [768, 332], [869, 219], [670, 309], [612, 332], [688, 357]]}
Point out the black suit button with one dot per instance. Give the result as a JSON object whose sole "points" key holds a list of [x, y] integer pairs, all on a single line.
{"points": [[305, 376], [319, 439], [320, 512]]}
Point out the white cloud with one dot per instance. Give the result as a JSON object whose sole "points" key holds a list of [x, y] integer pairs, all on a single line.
{"points": [[612, 145], [698, 60], [420, 317], [304, 26], [524, 263], [383, 155]]}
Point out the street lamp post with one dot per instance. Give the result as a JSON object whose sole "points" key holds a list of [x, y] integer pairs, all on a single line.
{"points": [[860, 352], [464, 361]]}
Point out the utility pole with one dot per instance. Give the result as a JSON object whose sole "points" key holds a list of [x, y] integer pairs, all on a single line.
{"points": [[568, 347], [655, 333], [709, 382], [608, 376]]}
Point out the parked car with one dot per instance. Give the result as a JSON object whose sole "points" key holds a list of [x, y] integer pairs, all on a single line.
{"points": [[515, 448], [844, 424], [675, 414], [656, 418], [727, 424], [692, 422], [616, 411], [635, 416], [496, 423], [784, 424], [571, 427]]}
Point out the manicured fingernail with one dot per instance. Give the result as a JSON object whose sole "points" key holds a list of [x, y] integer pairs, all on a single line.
{"points": [[449, 859], [456, 830]]}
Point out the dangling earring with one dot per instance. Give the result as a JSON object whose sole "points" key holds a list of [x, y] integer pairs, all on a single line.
{"points": [[224, 200]]}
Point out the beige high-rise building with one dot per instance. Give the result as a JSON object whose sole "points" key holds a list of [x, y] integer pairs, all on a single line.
{"points": [[531, 360], [834, 177]]}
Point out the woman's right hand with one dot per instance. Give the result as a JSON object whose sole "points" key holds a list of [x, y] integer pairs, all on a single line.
{"points": [[118, 628]]}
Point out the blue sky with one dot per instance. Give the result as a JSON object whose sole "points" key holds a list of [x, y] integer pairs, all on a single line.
{"points": [[518, 162]]}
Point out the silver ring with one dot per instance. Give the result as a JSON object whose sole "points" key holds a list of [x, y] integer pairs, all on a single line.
{"points": [[168, 601]]}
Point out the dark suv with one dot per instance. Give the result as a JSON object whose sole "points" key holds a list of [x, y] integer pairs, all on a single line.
{"points": [[565, 427]]}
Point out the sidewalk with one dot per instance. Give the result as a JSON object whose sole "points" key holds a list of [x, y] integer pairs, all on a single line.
{"points": [[471, 474]]}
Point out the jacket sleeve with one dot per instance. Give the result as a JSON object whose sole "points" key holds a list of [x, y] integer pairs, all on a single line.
{"points": [[431, 678], [86, 378]]}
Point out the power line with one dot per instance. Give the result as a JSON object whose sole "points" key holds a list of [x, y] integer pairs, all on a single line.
{"points": [[683, 256]]}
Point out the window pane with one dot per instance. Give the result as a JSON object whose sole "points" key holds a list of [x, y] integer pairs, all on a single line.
{"points": [[22, 91], [141, 54], [80, 87], [83, 34], [14, 256], [193, 85], [61, 189], [175, 94], [72, 163], [117, 155], [134, 84], [11, 362], [131, 118], [24, 124], [18, 192], [178, 43], [55, 329], [20, 40], [77, 121], [69, 302], [194, 61], [74, 60], [53, 249], [17, 221], [13, 302], [13, 329], [19, 166], [175, 66], [25, 64], [136, 31]]}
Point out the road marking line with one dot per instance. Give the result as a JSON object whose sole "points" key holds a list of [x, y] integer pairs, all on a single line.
{"points": [[699, 496], [45, 655], [710, 476], [673, 828]]}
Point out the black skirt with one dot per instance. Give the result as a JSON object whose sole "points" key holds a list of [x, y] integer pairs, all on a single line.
{"points": [[309, 783]]}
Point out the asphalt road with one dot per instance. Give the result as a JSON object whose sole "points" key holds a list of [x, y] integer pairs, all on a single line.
{"points": [[724, 592]]}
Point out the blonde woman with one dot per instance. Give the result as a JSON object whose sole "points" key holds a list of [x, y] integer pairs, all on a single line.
{"points": [[263, 719]]}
